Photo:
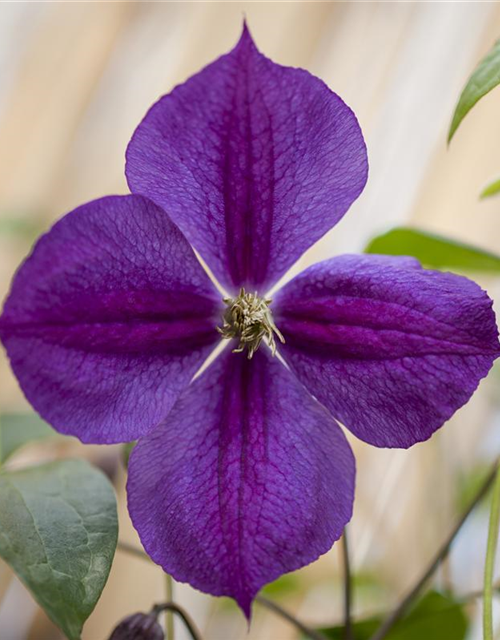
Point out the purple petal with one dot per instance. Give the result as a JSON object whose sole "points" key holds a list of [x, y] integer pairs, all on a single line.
{"points": [[253, 161], [108, 320], [248, 478], [391, 349]]}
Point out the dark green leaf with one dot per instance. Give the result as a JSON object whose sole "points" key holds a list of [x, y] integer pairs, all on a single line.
{"points": [[492, 189], [435, 617], [434, 251], [485, 77], [17, 429], [58, 532]]}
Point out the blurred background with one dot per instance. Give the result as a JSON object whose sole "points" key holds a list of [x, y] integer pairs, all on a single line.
{"points": [[75, 80]]}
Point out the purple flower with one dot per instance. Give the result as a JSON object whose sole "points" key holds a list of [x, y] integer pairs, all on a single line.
{"points": [[242, 474]]}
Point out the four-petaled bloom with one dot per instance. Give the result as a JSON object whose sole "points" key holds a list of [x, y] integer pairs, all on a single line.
{"points": [[244, 473]]}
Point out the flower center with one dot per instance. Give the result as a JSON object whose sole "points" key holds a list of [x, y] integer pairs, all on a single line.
{"points": [[249, 319]]}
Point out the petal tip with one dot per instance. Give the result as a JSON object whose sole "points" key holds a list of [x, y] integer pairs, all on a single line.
{"points": [[245, 601], [246, 39]]}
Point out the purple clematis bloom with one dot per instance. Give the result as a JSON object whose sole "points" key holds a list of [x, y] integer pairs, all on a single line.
{"points": [[244, 473]]}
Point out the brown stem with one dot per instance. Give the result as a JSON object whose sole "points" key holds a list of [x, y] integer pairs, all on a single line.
{"points": [[182, 613], [442, 552]]}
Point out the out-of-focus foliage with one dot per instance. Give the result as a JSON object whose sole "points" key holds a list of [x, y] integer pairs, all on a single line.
{"points": [[434, 251], [468, 485], [126, 451], [18, 429], [58, 532], [435, 617], [288, 584], [486, 76], [284, 586], [18, 226], [491, 190]]}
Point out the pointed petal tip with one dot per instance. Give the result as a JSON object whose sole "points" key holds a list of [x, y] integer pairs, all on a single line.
{"points": [[176, 517], [291, 105], [246, 37], [246, 30], [245, 602]]}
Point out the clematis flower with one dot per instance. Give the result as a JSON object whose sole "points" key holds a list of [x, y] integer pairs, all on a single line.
{"points": [[242, 473]]}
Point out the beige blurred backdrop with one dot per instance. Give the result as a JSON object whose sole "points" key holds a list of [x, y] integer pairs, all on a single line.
{"points": [[76, 78]]}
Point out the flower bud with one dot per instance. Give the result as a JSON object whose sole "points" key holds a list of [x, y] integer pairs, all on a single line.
{"points": [[138, 626]]}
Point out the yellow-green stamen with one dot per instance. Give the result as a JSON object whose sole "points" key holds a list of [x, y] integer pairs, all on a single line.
{"points": [[249, 319]]}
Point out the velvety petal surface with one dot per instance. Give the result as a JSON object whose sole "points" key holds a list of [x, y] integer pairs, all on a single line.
{"points": [[253, 161], [248, 478], [108, 319], [393, 350]]}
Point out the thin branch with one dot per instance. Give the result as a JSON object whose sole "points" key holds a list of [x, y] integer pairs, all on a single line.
{"points": [[182, 613], [307, 631], [169, 616], [132, 550], [139, 553], [310, 633], [473, 595], [489, 567], [408, 599], [347, 587]]}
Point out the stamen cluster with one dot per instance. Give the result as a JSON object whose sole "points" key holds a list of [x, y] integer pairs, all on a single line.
{"points": [[249, 318]]}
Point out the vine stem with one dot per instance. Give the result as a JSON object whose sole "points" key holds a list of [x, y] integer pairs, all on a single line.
{"points": [[132, 550], [347, 587], [472, 595], [169, 585], [489, 567], [169, 616], [442, 552], [172, 608], [269, 604]]}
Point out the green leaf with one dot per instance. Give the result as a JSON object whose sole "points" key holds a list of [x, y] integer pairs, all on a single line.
{"points": [[435, 617], [434, 251], [58, 532], [17, 429], [492, 189], [485, 77]]}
